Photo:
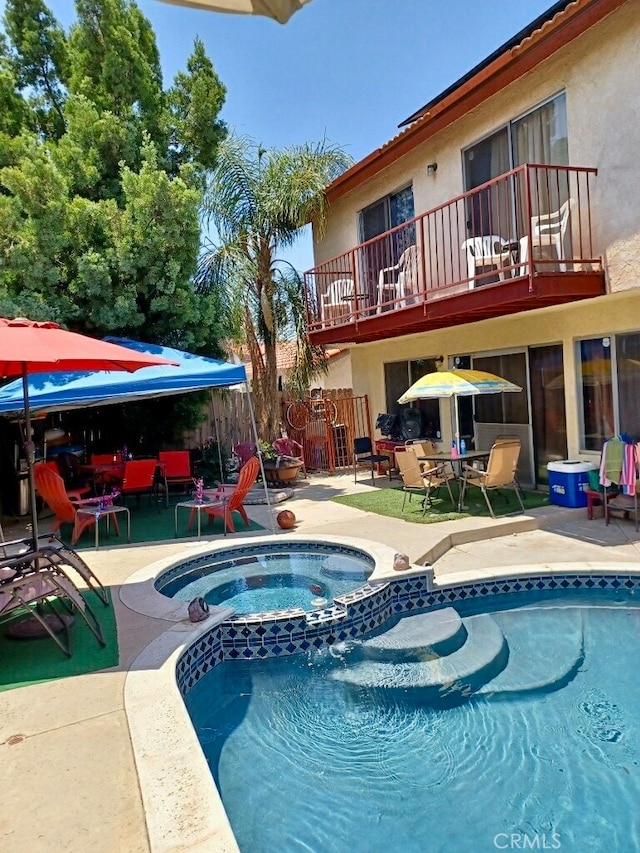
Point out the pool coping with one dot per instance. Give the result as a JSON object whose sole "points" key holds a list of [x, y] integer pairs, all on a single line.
{"points": [[183, 809]]}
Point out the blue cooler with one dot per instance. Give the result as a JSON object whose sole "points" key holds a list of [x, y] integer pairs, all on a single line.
{"points": [[568, 482]]}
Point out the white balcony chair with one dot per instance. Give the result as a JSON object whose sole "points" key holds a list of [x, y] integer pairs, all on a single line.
{"points": [[547, 230], [488, 251], [399, 280], [337, 302]]}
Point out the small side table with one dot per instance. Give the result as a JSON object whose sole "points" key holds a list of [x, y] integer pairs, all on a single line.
{"points": [[106, 512], [191, 505]]}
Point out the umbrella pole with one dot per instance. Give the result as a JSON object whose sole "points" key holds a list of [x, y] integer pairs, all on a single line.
{"points": [[217, 432], [29, 449], [264, 477], [456, 422]]}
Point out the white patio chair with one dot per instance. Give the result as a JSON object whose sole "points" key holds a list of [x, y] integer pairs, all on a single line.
{"points": [[547, 231], [399, 280], [337, 302], [488, 251]]}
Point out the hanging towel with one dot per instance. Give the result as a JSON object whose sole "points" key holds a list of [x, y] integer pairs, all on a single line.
{"points": [[628, 474], [611, 464]]}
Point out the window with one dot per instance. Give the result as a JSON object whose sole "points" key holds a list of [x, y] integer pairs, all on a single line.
{"points": [[609, 383], [398, 376], [380, 217], [539, 137], [386, 213]]}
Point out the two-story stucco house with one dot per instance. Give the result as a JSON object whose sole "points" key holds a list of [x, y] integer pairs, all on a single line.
{"points": [[500, 229]]}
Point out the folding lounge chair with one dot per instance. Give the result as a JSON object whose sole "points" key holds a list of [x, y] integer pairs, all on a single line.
{"points": [[30, 579], [53, 550], [500, 472], [418, 479]]}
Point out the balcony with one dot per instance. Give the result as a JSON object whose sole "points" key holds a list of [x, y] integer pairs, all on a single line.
{"points": [[519, 242]]}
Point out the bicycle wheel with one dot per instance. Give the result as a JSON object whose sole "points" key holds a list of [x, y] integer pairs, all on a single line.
{"points": [[298, 415], [325, 410], [332, 412]]}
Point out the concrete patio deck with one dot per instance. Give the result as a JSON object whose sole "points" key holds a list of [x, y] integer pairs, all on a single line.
{"points": [[68, 773]]}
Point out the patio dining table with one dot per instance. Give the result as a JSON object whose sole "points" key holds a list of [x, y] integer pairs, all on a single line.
{"points": [[456, 460], [106, 473]]}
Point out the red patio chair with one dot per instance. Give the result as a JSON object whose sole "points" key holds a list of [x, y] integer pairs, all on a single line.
{"points": [[138, 477], [104, 458], [50, 487], [245, 451], [290, 447], [72, 494], [175, 468], [229, 498]]}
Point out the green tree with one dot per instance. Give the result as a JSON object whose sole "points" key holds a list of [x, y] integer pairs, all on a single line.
{"points": [[193, 100], [38, 60], [99, 225], [257, 200], [101, 180]]}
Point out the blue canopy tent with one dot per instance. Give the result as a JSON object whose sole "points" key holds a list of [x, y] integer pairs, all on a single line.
{"points": [[55, 392], [61, 391]]}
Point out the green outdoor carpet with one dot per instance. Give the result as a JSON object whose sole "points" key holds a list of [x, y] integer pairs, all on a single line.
{"points": [[24, 662], [389, 502], [152, 522]]}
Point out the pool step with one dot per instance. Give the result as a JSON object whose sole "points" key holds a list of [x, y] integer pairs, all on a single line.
{"points": [[445, 680], [546, 664], [421, 637]]}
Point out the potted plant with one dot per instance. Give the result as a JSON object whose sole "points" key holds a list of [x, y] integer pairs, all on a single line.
{"points": [[277, 469]]}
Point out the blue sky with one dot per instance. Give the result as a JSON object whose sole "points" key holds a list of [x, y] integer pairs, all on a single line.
{"points": [[346, 70]]}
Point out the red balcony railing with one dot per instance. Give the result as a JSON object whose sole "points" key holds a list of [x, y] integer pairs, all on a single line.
{"points": [[533, 220]]}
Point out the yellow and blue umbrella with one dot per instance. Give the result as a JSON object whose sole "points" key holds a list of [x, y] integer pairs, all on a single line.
{"points": [[457, 383]]}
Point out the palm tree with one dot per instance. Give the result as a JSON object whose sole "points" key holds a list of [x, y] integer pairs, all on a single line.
{"points": [[257, 200]]}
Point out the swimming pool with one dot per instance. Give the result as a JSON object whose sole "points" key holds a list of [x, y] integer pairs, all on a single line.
{"points": [[270, 576], [363, 745]]}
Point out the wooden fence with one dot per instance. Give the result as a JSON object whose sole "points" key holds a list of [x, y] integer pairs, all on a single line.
{"points": [[325, 426]]}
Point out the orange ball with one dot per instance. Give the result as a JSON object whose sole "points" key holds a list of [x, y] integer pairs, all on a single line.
{"points": [[286, 519]]}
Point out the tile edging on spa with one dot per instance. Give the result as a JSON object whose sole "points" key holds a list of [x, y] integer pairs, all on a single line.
{"points": [[259, 638]]}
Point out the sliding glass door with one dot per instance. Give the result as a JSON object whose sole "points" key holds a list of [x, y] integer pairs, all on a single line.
{"points": [[539, 137], [380, 217], [549, 422]]}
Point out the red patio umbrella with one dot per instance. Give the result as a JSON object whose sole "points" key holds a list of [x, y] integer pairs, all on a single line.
{"points": [[279, 10], [31, 346]]}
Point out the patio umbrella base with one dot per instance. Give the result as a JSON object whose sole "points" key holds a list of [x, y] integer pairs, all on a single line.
{"points": [[31, 629]]}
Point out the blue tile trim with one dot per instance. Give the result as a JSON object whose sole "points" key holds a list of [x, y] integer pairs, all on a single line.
{"points": [[229, 557], [282, 633]]}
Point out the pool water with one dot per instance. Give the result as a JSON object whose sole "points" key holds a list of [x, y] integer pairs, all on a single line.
{"points": [[308, 761], [272, 580]]}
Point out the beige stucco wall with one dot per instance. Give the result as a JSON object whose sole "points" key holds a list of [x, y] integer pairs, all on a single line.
{"points": [[339, 374], [599, 72], [603, 316]]}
